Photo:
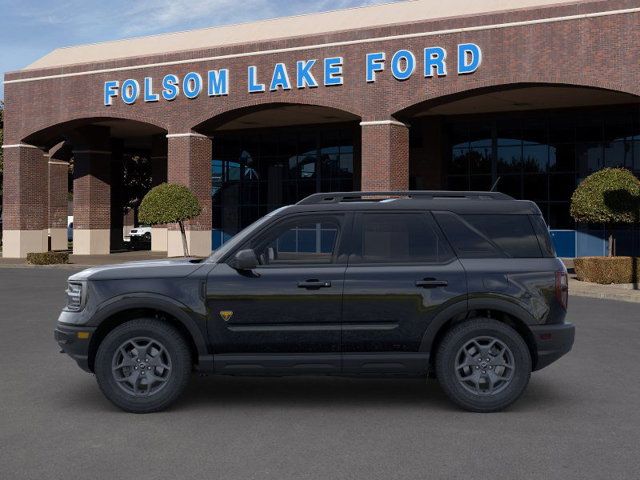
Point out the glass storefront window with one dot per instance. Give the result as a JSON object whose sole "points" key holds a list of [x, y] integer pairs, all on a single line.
{"points": [[257, 171], [541, 155]]}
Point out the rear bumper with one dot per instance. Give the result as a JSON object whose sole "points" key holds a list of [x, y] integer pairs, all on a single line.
{"points": [[552, 342], [74, 345]]}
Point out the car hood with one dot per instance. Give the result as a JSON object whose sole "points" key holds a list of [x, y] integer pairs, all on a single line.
{"points": [[169, 268]]}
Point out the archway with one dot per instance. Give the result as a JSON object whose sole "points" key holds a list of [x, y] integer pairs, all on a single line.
{"points": [[266, 156], [110, 163], [536, 141]]}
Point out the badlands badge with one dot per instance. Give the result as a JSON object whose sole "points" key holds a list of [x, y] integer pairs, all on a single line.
{"points": [[226, 315]]}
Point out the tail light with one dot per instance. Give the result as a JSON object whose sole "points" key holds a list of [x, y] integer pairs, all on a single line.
{"points": [[562, 289]]}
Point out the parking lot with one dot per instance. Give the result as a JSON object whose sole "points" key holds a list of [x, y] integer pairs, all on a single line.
{"points": [[578, 419]]}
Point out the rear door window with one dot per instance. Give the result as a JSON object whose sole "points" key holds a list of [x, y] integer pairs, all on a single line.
{"points": [[399, 238]]}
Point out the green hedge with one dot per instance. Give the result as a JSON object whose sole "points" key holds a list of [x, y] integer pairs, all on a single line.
{"points": [[48, 258], [606, 270]]}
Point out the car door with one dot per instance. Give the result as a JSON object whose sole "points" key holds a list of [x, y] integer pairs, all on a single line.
{"points": [[401, 274], [286, 313]]}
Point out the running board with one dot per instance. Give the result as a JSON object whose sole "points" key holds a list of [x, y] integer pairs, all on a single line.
{"points": [[372, 363]]}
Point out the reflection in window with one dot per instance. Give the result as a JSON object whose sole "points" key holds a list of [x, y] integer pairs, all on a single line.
{"points": [[304, 242], [257, 171], [542, 155]]}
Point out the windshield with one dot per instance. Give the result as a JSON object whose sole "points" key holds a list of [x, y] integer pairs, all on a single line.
{"points": [[241, 236]]}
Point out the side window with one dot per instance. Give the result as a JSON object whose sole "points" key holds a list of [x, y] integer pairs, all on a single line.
{"points": [[544, 239], [467, 242], [490, 235], [514, 234], [305, 240], [399, 238]]}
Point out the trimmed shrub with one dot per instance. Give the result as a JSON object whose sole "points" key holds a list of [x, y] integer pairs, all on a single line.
{"points": [[170, 203], [48, 258], [606, 270], [609, 196]]}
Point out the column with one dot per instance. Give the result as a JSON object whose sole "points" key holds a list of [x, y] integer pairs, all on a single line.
{"points": [[116, 225], [92, 192], [189, 164], [385, 156], [25, 210], [158, 175], [58, 193]]}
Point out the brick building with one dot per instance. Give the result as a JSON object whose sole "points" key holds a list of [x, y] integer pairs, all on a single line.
{"points": [[417, 94]]}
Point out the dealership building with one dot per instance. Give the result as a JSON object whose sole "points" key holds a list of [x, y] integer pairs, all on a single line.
{"points": [[421, 94]]}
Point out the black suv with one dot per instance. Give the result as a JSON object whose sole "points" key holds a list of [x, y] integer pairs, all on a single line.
{"points": [[463, 286]]}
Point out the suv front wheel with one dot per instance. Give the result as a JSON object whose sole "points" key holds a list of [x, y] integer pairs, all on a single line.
{"points": [[483, 365], [143, 365]]}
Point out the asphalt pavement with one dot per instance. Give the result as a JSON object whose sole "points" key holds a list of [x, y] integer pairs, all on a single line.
{"points": [[580, 418]]}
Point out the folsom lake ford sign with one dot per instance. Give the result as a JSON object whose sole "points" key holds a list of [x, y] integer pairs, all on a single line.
{"points": [[309, 73]]}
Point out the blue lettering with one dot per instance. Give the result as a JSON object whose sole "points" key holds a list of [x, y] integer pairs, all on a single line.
{"points": [[375, 63], [149, 96], [254, 87], [304, 76], [130, 91], [400, 71], [280, 78], [469, 58], [192, 85], [110, 92], [333, 71], [218, 82], [170, 86], [434, 57]]}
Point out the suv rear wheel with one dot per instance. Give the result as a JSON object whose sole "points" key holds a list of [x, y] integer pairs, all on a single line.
{"points": [[143, 365], [483, 365]]}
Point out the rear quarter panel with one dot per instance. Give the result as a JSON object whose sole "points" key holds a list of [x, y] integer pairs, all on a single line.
{"points": [[528, 283]]}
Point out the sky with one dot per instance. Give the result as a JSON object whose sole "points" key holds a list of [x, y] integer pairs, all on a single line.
{"points": [[30, 29]]}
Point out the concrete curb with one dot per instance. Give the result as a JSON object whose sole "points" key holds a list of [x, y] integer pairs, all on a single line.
{"points": [[623, 293]]}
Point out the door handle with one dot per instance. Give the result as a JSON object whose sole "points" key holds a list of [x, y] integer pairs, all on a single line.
{"points": [[431, 283], [314, 284]]}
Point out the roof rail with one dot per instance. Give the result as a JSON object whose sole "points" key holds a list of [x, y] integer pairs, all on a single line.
{"points": [[337, 197]]}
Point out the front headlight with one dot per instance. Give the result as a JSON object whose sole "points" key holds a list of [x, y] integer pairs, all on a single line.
{"points": [[75, 296]]}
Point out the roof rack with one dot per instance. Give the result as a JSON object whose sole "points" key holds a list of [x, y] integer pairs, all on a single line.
{"points": [[337, 197]]}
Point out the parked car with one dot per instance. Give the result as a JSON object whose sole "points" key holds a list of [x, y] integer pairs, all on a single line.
{"points": [[463, 286], [140, 237], [69, 228]]}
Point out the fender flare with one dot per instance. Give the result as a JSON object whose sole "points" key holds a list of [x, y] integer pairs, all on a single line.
{"points": [[162, 303], [476, 303], [457, 308]]}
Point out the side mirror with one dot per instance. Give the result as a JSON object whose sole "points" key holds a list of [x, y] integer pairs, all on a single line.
{"points": [[244, 260]]}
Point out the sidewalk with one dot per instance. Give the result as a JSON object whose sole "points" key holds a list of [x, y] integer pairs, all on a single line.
{"points": [[622, 292]]}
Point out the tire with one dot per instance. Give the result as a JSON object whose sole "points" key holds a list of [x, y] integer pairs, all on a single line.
{"points": [[143, 382], [471, 365]]}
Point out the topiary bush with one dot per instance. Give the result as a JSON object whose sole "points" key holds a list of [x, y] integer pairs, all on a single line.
{"points": [[48, 258], [170, 203], [606, 270], [609, 196]]}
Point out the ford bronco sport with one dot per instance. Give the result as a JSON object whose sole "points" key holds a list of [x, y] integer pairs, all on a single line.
{"points": [[463, 286]]}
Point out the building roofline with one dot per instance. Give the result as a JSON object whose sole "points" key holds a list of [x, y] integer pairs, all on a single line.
{"points": [[309, 24]]}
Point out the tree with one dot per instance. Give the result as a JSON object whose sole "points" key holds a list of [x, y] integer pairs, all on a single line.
{"points": [[170, 203], [136, 181], [609, 196]]}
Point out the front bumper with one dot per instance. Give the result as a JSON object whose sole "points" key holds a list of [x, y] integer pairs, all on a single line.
{"points": [[75, 341], [552, 342]]}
